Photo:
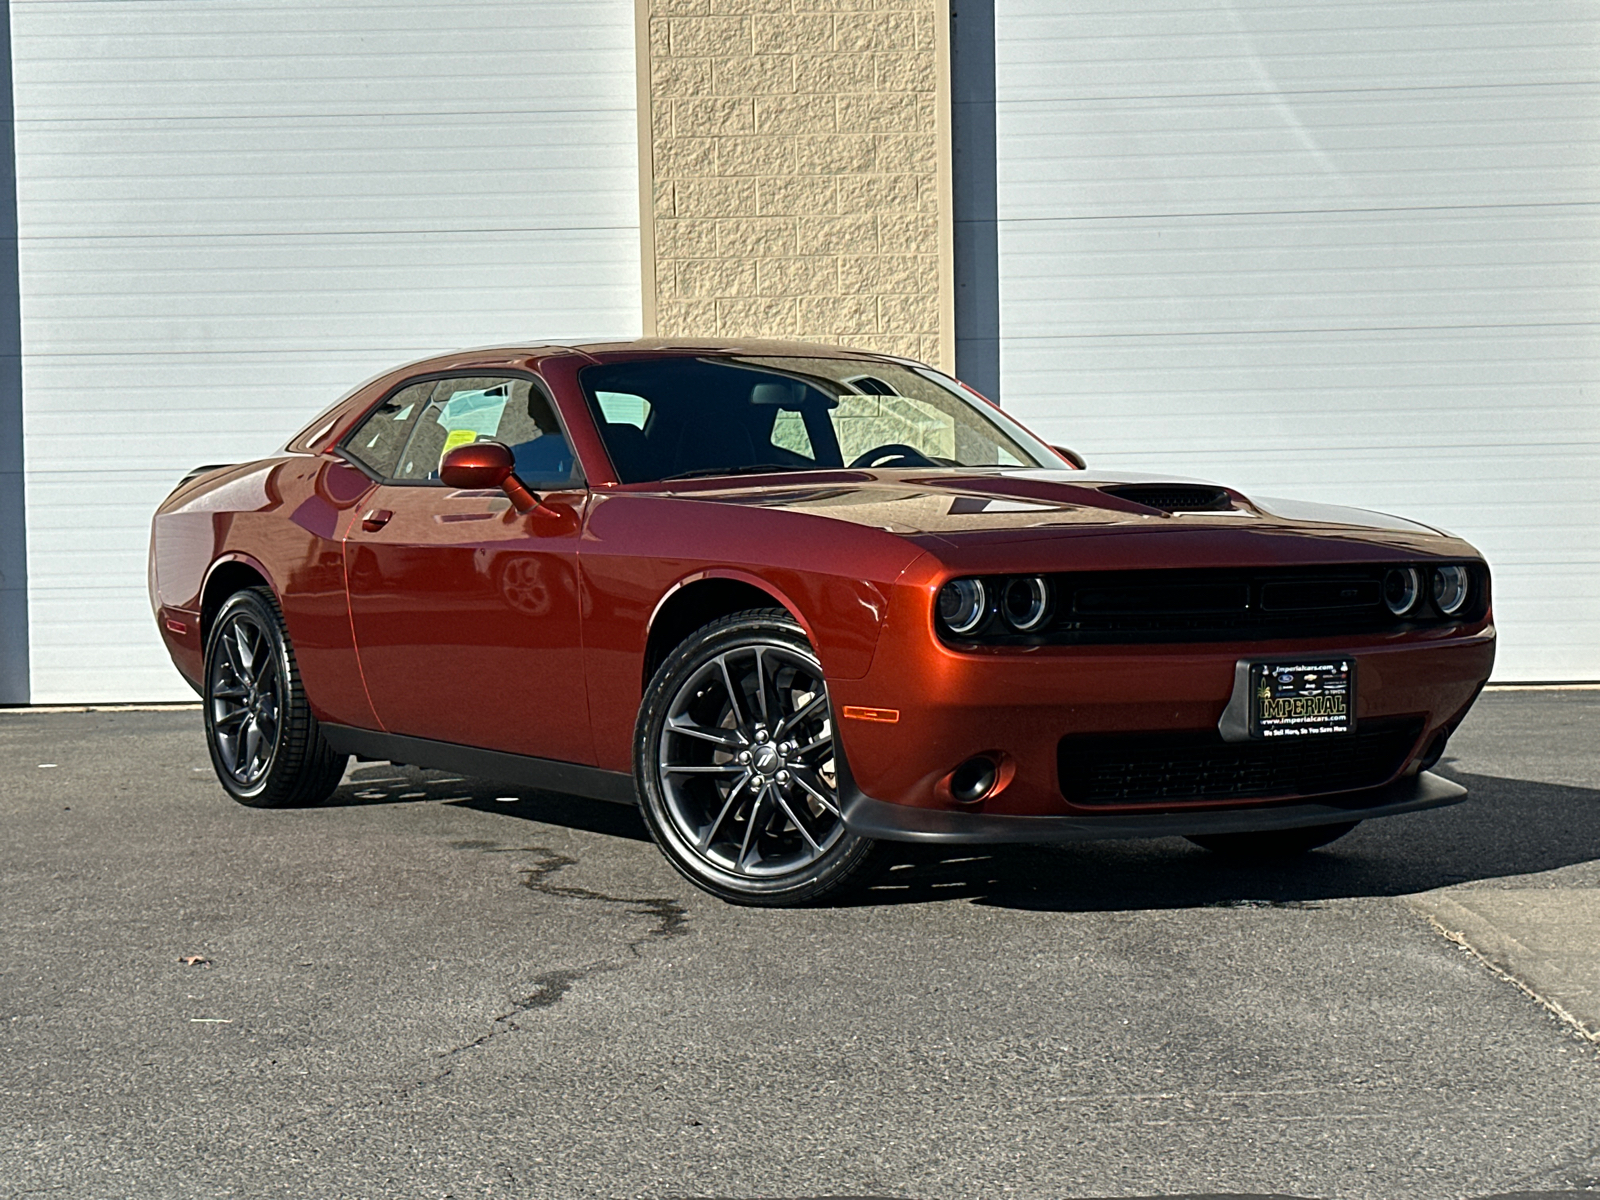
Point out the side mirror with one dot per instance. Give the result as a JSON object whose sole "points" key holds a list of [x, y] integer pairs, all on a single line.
{"points": [[1073, 457], [486, 465]]}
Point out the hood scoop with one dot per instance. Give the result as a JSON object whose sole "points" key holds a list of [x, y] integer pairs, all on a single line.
{"points": [[1174, 497]]}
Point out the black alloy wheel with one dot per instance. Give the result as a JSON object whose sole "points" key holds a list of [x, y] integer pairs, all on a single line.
{"points": [[736, 766], [265, 745]]}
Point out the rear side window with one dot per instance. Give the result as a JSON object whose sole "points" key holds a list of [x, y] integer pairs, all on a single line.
{"points": [[378, 441]]}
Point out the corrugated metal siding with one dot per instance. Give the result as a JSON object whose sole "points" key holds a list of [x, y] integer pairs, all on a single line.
{"points": [[1343, 252], [231, 212]]}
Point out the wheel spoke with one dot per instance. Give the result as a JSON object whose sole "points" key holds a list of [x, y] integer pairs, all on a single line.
{"points": [[247, 745], [729, 740], [805, 710], [722, 769], [761, 686], [727, 807], [233, 692], [230, 647], [818, 796], [733, 693], [798, 824], [228, 720], [247, 650], [750, 827], [825, 740], [268, 668]]}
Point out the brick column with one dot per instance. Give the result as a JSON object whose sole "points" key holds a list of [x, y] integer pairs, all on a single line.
{"points": [[795, 156]]}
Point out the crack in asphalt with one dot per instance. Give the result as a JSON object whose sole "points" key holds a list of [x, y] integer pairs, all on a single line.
{"points": [[672, 919], [548, 989]]}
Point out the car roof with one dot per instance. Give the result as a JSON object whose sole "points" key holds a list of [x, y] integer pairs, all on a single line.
{"points": [[533, 352]]}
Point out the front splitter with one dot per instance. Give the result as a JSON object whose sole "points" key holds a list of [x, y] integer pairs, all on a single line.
{"points": [[899, 823]]}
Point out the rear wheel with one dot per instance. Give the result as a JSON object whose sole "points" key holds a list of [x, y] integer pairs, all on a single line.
{"points": [[1270, 844], [264, 742], [735, 763]]}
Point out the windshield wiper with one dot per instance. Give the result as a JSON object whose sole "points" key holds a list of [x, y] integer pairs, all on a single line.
{"points": [[747, 469]]}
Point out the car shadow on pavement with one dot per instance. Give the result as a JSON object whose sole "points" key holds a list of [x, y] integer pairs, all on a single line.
{"points": [[1505, 827], [386, 783]]}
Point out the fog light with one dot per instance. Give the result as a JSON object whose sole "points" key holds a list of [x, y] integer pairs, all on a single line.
{"points": [[1401, 587], [963, 605], [973, 779], [1450, 586]]}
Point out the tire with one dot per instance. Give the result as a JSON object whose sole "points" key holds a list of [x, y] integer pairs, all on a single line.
{"points": [[265, 745], [1269, 844], [734, 761]]}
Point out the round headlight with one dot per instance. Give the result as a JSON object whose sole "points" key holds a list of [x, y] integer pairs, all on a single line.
{"points": [[1450, 588], [1025, 603], [1401, 587], [963, 604]]}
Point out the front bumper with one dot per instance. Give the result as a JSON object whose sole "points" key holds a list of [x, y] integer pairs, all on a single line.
{"points": [[923, 709], [901, 823]]}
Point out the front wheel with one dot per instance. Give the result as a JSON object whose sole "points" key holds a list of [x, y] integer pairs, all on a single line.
{"points": [[1268, 844], [265, 745], [734, 756]]}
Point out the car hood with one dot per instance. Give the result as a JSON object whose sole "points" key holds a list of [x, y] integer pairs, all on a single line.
{"points": [[948, 509]]}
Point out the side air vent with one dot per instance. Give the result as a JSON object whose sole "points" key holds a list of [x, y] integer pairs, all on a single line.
{"points": [[1173, 497]]}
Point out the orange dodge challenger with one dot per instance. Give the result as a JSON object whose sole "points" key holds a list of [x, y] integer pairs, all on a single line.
{"points": [[795, 601]]}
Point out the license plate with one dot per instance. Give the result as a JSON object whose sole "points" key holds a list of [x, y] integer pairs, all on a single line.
{"points": [[1302, 697]]}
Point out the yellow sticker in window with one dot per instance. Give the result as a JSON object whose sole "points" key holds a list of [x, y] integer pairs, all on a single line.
{"points": [[457, 437]]}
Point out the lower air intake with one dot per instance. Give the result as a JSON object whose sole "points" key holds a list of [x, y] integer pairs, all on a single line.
{"points": [[1159, 768]]}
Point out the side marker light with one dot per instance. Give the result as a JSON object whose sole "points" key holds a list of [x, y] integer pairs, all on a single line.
{"points": [[887, 716]]}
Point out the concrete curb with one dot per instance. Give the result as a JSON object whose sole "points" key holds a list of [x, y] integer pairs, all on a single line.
{"points": [[1544, 941]]}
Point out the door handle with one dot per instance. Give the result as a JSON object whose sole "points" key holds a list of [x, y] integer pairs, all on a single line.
{"points": [[376, 520]]}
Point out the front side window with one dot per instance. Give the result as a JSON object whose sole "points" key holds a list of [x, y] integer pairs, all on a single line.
{"points": [[495, 408], [731, 415]]}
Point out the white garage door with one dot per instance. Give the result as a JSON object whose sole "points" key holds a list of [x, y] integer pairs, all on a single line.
{"points": [[231, 211], [1342, 252]]}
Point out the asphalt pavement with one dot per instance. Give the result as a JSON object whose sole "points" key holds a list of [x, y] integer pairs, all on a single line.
{"points": [[438, 987]]}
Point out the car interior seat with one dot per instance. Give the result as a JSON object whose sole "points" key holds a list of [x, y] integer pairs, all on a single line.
{"points": [[630, 451], [723, 442]]}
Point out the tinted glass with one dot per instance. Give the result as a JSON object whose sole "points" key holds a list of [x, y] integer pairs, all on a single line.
{"points": [[492, 408], [377, 441], [705, 416]]}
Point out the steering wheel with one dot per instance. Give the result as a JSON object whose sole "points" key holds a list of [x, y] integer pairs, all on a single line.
{"points": [[898, 453]]}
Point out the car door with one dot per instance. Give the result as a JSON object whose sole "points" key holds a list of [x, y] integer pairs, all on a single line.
{"points": [[466, 612]]}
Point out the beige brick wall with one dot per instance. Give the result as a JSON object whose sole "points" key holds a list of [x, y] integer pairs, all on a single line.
{"points": [[797, 163]]}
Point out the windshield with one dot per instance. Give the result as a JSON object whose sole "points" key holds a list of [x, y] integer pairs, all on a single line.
{"points": [[669, 418]]}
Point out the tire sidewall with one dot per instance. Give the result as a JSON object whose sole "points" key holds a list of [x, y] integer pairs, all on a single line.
{"points": [[811, 882], [267, 618]]}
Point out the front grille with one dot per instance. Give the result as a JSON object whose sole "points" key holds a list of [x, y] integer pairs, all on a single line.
{"points": [[1216, 604], [1223, 604], [1158, 768]]}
